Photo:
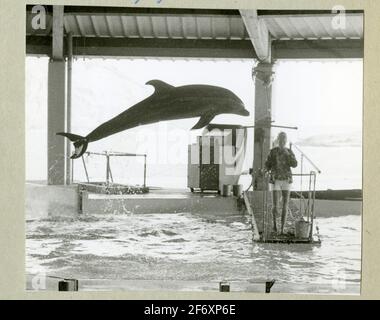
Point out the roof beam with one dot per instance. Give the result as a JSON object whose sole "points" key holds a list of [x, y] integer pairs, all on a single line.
{"points": [[318, 49], [301, 12], [259, 34], [166, 48], [228, 49], [94, 10]]}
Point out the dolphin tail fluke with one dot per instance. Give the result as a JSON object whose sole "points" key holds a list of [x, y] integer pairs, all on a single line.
{"points": [[80, 143]]}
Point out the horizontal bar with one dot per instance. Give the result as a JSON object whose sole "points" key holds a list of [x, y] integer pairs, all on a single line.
{"points": [[126, 155], [303, 174], [117, 154], [270, 126]]}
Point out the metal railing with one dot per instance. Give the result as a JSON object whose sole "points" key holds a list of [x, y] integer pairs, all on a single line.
{"points": [[309, 206], [306, 205], [305, 209], [304, 156]]}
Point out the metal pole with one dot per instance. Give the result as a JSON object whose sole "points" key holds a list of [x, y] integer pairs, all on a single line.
{"points": [[301, 195], [265, 215], [307, 158], [264, 220], [308, 199], [85, 169], [312, 206], [145, 171], [72, 170], [68, 106], [111, 173], [107, 169]]}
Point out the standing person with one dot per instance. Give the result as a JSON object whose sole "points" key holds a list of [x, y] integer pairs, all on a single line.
{"points": [[279, 163]]}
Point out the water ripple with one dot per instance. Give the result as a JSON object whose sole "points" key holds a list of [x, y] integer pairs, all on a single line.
{"points": [[184, 246]]}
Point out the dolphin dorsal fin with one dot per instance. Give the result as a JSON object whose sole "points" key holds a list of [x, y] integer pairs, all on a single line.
{"points": [[159, 85]]}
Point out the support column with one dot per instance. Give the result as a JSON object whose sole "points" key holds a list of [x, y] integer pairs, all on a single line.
{"points": [[263, 76], [56, 103], [69, 169]]}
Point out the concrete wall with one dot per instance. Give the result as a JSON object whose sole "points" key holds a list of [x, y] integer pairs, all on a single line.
{"points": [[100, 204], [43, 200], [48, 200]]}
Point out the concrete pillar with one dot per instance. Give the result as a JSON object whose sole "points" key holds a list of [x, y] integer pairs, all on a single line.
{"points": [[56, 102], [263, 76], [69, 169], [56, 122]]}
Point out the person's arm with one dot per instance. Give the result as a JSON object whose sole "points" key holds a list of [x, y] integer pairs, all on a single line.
{"points": [[269, 162], [292, 161]]}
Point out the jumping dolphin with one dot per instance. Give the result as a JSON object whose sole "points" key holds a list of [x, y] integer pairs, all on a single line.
{"points": [[166, 103]]}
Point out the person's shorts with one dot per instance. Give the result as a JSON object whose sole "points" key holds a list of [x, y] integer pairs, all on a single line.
{"points": [[280, 185]]}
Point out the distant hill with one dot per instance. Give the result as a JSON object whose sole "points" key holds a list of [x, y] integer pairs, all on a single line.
{"points": [[348, 139]]}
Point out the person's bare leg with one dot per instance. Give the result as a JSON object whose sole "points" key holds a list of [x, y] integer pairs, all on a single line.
{"points": [[276, 199], [285, 204]]}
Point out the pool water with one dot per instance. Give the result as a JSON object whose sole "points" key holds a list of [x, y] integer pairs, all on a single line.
{"points": [[188, 247]]}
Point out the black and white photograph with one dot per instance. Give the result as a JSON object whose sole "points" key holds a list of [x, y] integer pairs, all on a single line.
{"points": [[184, 149]]}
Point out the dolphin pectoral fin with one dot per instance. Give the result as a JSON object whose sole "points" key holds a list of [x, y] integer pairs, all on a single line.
{"points": [[159, 85], [203, 121]]}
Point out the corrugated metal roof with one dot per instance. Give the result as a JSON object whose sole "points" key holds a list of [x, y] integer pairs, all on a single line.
{"points": [[161, 26], [149, 26], [312, 27]]}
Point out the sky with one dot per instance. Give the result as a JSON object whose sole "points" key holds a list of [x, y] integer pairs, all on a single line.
{"points": [[322, 98]]}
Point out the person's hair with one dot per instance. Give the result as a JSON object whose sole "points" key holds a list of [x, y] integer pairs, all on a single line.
{"points": [[282, 133]]}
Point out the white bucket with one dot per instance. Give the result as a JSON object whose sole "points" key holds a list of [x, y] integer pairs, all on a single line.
{"points": [[302, 229]]}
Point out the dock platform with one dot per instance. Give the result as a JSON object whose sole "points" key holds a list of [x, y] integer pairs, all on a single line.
{"points": [[290, 239]]}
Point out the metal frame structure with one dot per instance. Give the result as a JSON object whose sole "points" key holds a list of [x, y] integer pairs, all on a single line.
{"points": [[108, 154], [308, 209], [306, 206]]}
